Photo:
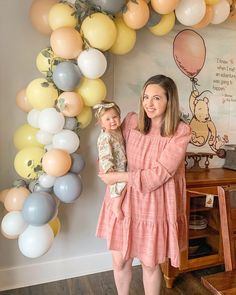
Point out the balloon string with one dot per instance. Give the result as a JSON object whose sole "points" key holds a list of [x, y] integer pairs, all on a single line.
{"points": [[194, 83]]}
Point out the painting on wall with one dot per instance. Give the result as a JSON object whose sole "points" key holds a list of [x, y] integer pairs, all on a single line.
{"points": [[204, 69]]}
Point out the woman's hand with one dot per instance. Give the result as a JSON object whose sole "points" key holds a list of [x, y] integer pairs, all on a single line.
{"points": [[113, 177]]}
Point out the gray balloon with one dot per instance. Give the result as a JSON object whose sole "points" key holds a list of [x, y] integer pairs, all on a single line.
{"points": [[66, 76], [154, 18], [110, 6], [68, 187], [70, 123], [39, 208], [78, 163], [34, 186]]}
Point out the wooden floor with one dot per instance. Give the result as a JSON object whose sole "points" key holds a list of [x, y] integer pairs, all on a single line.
{"points": [[103, 284]]}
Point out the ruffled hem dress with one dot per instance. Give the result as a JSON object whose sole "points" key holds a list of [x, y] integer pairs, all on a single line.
{"points": [[154, 226]]}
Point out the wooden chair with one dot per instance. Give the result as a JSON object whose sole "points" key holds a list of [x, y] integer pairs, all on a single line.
{"points": [[225, 282]]}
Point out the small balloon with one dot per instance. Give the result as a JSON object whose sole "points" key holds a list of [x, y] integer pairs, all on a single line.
{"points": [[13, 224], [46, 181], [70, 123], [137, 14], [51, 121], [33, 118], [15, 198], [70, 104], [78, 163]]}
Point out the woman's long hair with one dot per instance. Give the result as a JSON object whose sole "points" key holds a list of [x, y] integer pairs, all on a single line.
{"points": [[172, 114]]}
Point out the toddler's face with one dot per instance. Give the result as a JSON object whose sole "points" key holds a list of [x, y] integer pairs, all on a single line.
{"points": [[110, 120]]}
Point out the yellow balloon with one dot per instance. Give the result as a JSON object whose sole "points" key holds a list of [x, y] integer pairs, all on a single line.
{"points": [[62, 15], [27, 160], [41, 94], [165, 25], [211, 2], [55, 225], [99, 30], [25, 136], [126, 37], [85, 117], [46, 60], [93, 91]]}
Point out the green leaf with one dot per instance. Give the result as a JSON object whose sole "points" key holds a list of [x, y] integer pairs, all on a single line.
{"points": [[45, 84], [30, 162]]}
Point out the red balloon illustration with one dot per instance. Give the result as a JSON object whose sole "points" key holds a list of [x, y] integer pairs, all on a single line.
{"points": [[189, 52]]}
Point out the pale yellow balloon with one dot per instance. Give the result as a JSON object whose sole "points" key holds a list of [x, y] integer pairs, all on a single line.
{"points": [[85, 117], [165, 25], [46, 61], [62, 15], [93, 91], [126, 37], [99, 30], [41, 94], [25, 136], [55, 225], [27, 160], [211, 2]]}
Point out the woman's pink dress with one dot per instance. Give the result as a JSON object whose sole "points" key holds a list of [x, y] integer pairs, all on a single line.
{"points": [[154, 226]]}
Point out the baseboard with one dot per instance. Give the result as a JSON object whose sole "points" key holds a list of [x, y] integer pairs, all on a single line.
{"points": [[40, 273]]}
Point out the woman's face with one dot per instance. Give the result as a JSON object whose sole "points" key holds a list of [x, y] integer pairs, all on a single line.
{"points": [[154, 102]]}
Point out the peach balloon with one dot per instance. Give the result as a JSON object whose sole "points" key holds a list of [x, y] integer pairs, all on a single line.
{"points": [[206, 19], [70, 104], [22, 101], [15, 198], [3, 195], [137, 14], [164, 6], [56, 162], [66, 42], [39, 11]]}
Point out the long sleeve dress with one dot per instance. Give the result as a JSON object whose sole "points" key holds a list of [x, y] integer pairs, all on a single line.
{"points": [[154, 226]]}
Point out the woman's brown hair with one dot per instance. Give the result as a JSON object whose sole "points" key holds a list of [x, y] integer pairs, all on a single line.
{"points": [[172, 113]]}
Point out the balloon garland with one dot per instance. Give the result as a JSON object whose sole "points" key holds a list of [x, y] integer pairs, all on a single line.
{"points": [[59, 104]]}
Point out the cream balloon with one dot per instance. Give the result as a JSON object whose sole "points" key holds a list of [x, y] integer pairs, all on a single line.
{"points": [[51, 121], [33, 118], [221, 12], [66, 140]]}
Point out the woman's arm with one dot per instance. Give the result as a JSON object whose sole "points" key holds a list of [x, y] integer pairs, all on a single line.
{"points": [[113, 177]]}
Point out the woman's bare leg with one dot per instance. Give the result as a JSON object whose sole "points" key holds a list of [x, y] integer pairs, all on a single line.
{"points": [[152, 280], [122, 272]]}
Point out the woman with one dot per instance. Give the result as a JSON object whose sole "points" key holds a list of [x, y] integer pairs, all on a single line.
{"points": [[154, 223]]}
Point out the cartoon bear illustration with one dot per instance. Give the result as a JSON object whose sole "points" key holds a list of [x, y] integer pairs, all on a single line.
{"points": [[203, 128]]}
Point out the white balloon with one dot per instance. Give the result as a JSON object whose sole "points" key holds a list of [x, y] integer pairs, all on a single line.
{"points": [[92, 63], [49, 147], [66, 140], [35, 240], [221, 11], [44, 137], [13, 223], [33, 118], [51, 121], [190, 12], [46, 180]]}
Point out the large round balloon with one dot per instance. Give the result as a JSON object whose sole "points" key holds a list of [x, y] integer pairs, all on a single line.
{"points": [[39, 15], [66, 42], [93, 91], [110, 6], [70, 103], [46, 61], [15, 198], [22, 101], [164, 6], [66, 140], [41, 94], [206, 19], [25, 136], [13, 224], [39, 208], [189, 52], [51, 121], [68, 187], [78, 163], [126, 37], [56, 162], [99, 30], [27, 160], [66, 76], [62, 15], [85, 117], [221, 12], [92, 63], [137, 14], [35, 241], [190, 12]]}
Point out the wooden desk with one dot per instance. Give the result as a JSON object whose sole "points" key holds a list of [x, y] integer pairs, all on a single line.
{"points": [[200, 181]]}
